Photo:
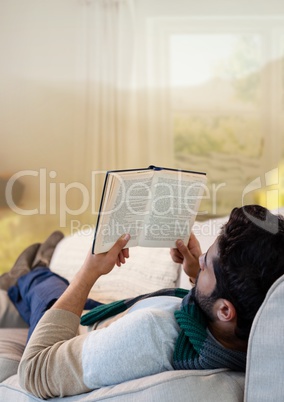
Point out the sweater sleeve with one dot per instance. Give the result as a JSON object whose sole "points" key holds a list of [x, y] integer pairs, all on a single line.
{"points": [[52, 361]]}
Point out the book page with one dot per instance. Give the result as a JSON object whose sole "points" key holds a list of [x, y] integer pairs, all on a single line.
{"points": [[129, 195], [176, 199]]}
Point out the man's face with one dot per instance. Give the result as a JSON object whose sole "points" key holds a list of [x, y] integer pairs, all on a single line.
{"points": [[206, 281]]}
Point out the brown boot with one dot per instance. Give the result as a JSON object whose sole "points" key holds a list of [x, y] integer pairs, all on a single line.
{"points": [[46, 249], [21, 267]]}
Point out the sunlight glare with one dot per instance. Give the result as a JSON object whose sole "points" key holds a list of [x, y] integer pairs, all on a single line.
{"points": [[194, 57]]}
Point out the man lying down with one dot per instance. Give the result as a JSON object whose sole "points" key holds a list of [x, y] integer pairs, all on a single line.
{"points": [[172, 329]]}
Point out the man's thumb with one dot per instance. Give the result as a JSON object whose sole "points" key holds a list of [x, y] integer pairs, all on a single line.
{"points": [[121, 242]]}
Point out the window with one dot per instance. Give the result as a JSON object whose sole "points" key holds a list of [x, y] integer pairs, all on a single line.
{"points": [[226, 97]]}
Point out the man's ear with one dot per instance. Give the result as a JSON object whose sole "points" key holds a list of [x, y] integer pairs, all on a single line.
{"points": [[225, 310]]}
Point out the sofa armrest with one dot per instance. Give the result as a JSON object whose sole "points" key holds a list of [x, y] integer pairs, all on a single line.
{"points": [[265, 360]]}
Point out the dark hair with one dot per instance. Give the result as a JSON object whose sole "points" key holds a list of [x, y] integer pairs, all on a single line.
{"points": [[250, 260]]}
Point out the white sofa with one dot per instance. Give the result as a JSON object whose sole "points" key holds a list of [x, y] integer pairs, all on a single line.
{"points": [[148, 270]]}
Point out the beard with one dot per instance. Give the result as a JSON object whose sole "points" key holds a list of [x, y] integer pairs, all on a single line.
{"points": [[205, 302]]}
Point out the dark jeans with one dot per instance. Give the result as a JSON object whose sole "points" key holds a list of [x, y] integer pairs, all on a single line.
{"points": [[36, 292]]}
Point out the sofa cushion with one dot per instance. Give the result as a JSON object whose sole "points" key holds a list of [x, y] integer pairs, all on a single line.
{"points": [[265, 360], [147, 269], [178, 386], [12, 344]]}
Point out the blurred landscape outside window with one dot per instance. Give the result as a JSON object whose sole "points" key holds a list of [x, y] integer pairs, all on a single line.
{"points": [[226, 100]]}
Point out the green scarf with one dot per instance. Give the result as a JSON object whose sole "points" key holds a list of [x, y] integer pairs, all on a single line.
{"points": [[195, 347]]}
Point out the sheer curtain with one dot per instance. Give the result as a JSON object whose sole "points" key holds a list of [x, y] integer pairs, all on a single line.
{"points": [[123, 115]]}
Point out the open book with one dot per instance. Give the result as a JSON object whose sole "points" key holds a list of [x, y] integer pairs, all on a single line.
{"points": [[155, 205]]}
